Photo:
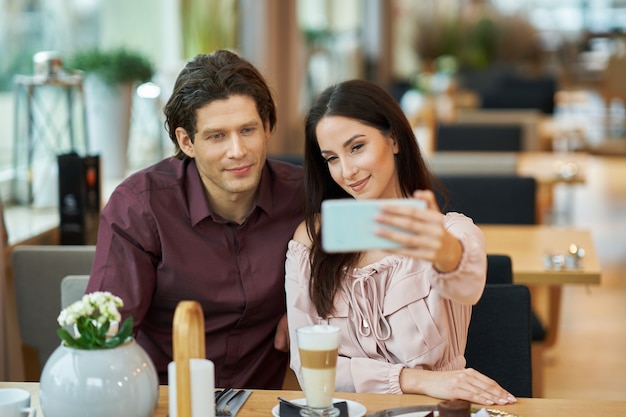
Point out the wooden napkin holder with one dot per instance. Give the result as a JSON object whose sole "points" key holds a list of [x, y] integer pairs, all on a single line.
{"points": [[188, 343]]}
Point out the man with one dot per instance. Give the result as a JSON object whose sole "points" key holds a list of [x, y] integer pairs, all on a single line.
{"points": [[210, 224]]}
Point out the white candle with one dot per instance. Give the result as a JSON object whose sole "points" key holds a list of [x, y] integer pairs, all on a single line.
{"points": [[202, 388]]}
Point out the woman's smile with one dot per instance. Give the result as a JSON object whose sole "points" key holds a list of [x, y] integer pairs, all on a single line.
{"points": [[359, 185]]}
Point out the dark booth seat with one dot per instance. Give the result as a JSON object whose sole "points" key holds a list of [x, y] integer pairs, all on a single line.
{"points": [[499, 88], [479, 137], [516, 92], [500, 271], [498, 339], [491, 199]]}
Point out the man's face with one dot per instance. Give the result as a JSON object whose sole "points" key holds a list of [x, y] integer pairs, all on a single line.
{"points": [[229, 147]]}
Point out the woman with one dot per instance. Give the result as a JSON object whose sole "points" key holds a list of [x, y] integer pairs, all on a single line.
{"points": [[405, 312]]}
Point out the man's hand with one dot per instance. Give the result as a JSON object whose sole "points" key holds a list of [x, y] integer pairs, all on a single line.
{"points": [[281, 340]]}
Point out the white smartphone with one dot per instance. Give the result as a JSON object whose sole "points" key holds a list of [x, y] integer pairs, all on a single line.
{"points": [[349, 226]]}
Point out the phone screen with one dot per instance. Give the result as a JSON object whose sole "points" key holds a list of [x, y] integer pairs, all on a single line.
{"points": [[348, 225]]}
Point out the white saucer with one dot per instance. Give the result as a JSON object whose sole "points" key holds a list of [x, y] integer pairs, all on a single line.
{"points": [[354, 409]]}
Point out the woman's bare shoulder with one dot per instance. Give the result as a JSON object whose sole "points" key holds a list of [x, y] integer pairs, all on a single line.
{"points": [[302, 235]]}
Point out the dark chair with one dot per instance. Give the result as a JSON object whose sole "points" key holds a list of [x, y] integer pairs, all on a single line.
{"points": [[516, 92], [491, 199], [500, 271], [498, 339], [479, 137], [501, 89]]}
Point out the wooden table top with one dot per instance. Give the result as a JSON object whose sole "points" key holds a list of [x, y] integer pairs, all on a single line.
{"points": [[553, 167], [261, 402], [527, 246], [548, 168]]}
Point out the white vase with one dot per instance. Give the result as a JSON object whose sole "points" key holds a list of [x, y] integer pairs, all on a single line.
{"points": [[108, 124], [99, 383]]}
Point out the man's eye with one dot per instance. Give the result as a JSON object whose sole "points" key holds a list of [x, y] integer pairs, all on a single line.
{"points": [[216, 136], [247, 130]]}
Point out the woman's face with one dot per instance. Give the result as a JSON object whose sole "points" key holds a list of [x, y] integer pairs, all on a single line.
{"points": [[360, 158]]}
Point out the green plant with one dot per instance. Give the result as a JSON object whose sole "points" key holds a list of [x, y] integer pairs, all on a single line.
{"points": [[95, 318], [479, 41], [119, 65]]}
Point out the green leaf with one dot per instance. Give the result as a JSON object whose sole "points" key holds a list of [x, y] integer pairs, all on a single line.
{"points": [[66, 337], [126, 329], [94, 336]]}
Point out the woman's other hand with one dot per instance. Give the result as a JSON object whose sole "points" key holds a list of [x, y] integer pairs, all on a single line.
{"points": [[465, 384]]}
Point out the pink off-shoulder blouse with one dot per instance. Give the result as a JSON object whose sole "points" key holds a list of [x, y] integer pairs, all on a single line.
{"points": [[398, 312]]}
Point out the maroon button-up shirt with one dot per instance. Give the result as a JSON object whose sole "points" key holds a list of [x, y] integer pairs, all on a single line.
{"points": [[160, 243]]}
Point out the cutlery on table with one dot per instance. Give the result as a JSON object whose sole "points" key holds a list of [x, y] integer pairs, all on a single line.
{"points": [[221, 394], [224, 410]]}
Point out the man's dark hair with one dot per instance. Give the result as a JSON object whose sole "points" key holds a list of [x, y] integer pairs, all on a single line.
{"points": [[210, 77]]}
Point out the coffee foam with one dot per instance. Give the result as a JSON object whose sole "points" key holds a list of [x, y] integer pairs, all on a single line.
{"points": [[318, 337]]}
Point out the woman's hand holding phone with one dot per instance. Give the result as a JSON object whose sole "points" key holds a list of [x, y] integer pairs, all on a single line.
{"points": [[420, 233]]}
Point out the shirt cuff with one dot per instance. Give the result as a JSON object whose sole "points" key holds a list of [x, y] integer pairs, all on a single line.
{"points": [[394, 379]]}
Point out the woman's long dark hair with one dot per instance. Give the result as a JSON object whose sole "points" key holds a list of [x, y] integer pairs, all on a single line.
{"points": [[371, 105]]}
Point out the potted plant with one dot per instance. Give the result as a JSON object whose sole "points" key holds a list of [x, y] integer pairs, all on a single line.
{"points": [[110, 78], [100, 370], [95, 318], [114, 66]]}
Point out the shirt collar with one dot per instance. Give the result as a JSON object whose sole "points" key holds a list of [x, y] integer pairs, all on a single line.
{"points": [[198, 206]]}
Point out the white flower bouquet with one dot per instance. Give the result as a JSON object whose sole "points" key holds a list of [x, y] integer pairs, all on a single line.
{"points": [[95, 318]]}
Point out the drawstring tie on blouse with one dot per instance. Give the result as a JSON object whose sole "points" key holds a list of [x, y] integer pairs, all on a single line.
{"points": [[367, 310]]}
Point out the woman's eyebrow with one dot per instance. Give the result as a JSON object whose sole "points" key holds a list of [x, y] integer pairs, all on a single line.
{"points": [[347, 142]]}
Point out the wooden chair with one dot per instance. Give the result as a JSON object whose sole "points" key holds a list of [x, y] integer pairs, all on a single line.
{"points": [[11, 363], [498, 339]]}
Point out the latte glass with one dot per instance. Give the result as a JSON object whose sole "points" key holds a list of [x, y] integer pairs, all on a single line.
{"points": [[318, 346]]}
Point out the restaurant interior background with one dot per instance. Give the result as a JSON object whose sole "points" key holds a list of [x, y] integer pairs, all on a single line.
{"points": [[426, 47], [302, 46]]}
